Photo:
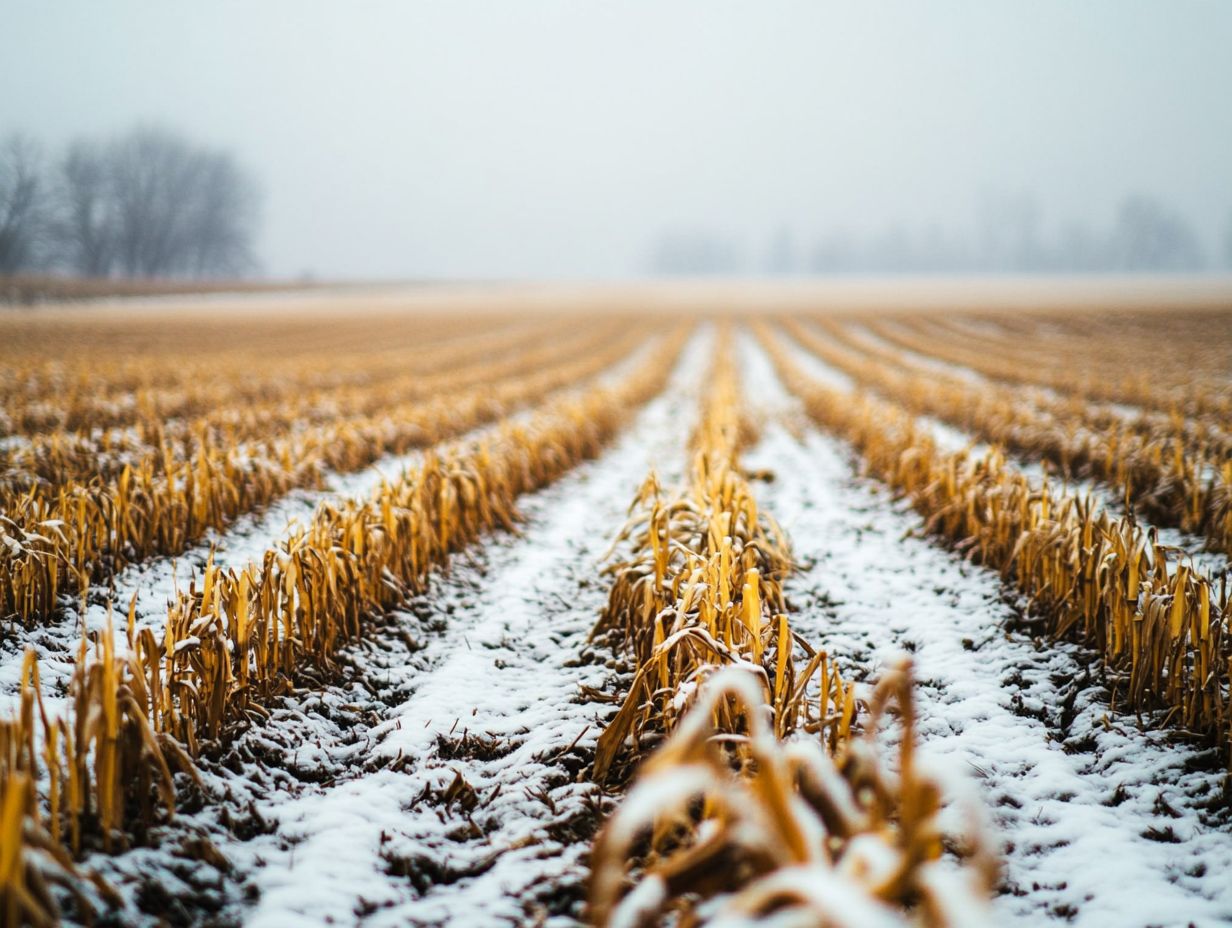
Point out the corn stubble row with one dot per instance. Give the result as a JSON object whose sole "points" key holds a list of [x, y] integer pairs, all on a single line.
{"points": [[1161, 627], [758, 789], [1087, 399], [61, 456], [84, 375], [60, 541], [758, 801], [1166, 477], [134, 714], [1168, 414], [1168, 361]]}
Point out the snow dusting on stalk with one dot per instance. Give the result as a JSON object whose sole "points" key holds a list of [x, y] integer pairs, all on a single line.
{"points": [[1103, 823], [946, 436], [151, 584], [444, 781]]}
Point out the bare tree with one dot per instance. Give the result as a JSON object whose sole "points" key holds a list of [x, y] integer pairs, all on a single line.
{"points": [[1151, 237], [151, 171], [152, 204], [1146, 235], [22, 204], [220, 220], [149, 203], [86, 221]]}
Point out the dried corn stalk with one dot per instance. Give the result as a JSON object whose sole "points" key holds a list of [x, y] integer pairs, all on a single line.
{"points": [[725, 830], [59, 539], [699, 588], [1161, 626]]}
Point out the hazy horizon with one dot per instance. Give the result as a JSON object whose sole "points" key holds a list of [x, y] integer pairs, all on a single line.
{"points": [[568, 139]]}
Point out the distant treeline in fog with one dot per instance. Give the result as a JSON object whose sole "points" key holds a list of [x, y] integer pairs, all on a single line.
{"points": [[147, 203], [1144, 235]]}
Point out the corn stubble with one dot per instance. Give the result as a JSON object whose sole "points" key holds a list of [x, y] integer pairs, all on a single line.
{"points": [[757, 800], [737, 829], [1172, 474], [57, 539], [239, 639], [1160, 626], [1172, 362], [217, 416], [702, 589], [762, 784], [135, 714]]}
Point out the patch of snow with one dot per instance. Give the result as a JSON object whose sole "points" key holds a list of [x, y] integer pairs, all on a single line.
{"points": [[1103, 824], [472, 691], [874, 343], [946, 436], [155, 581]]}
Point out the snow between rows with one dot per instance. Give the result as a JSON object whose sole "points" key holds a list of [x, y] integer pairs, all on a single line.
{"points": [[1075, 803], [155, 581], [507, 670], [343, 785], [953, 439], [946, 436]]}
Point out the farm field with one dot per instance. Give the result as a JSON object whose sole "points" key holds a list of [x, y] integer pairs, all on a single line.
{"points": [[584, 611]]}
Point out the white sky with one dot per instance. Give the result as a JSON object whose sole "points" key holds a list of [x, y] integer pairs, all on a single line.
{"points": [[562, 138]]}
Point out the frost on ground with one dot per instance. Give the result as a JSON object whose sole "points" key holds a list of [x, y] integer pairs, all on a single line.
{"points": [[1103, 824], [944, 434], [439, 774], [1191, 547], [153, 583], [444, 780]]}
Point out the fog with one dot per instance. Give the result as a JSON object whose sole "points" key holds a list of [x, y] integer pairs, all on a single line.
{"points": [[572, 139]]}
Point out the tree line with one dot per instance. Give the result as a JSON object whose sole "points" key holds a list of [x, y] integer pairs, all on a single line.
{"points": [[1145, 234], [146, 203]]}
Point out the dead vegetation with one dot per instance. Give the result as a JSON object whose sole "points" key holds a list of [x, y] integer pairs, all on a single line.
{"points": [[239, 639], [736, 803], [1156, 620], [772, 829], [753, 781]]}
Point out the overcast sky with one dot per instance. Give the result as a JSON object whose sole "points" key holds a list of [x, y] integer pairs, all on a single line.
{"points": [[562, 138]]}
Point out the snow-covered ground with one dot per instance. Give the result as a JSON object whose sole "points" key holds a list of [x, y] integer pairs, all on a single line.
{"points": [[445, 780], [1103, 824], [951, 438], [440, 776], [154, 582], [871, 342], [945, 435]]}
